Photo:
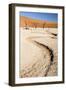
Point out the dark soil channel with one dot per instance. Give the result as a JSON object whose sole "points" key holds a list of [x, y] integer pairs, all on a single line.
{"points": [[51, 54]]}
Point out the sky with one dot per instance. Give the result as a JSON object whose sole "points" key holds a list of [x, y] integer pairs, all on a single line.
{"points": [[53, 17]]}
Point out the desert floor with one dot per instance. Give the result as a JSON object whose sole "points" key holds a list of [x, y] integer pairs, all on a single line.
{"points": [[38, 52]]}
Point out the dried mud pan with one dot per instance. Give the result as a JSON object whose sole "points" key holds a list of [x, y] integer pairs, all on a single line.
{"points": [[38, 52]]}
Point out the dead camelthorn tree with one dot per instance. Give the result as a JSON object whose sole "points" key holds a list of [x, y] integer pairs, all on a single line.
{"points": [[26, 25], [43, 25], [35, 25]]}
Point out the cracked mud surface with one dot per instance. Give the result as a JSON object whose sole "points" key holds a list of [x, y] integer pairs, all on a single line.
{"points": [[38, 54]]}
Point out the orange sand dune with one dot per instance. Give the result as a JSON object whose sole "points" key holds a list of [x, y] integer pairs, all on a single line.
{"points": [[29, 22]]}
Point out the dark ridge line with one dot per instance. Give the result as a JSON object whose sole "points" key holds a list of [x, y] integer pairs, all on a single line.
{"points": [[50, 50], [51, 55], [54, 34]]}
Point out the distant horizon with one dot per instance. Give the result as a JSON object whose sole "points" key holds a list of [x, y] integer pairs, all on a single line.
{"points": [[52, 17]]}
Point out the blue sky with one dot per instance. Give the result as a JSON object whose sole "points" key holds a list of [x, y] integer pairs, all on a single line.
{"points": [[53, 17]]}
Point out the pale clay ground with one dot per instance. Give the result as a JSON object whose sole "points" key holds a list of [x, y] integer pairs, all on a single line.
{"points": [[35, 59]]}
